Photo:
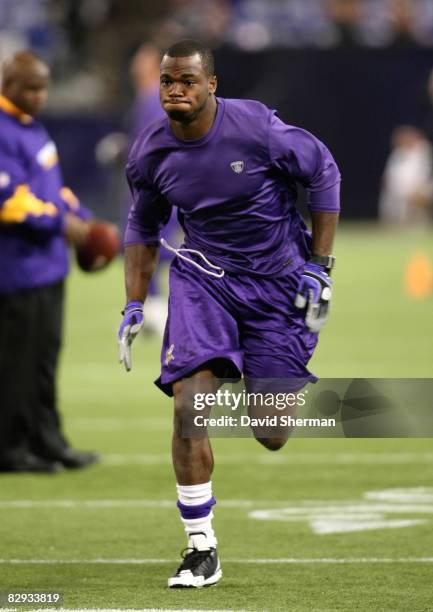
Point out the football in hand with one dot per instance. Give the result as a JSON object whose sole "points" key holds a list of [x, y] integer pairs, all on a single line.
{"points": [[101, 245]]}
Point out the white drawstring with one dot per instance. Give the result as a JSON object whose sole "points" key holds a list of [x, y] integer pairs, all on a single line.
{"points": [[179, 252]]}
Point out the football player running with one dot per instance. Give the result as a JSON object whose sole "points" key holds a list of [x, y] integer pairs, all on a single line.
{"points": [[250, 288]]}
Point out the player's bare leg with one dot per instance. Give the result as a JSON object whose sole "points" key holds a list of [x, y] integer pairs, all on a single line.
{"points": [[193, 465], [271, 438], [192, 457]]}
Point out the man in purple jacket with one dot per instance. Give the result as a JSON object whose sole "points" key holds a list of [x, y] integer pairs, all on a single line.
{"points": [[38, 216], [251, 288]]}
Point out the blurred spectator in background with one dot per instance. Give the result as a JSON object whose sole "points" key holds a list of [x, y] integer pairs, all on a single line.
{"points": [[403, 23], [347, 17], [300, 23], [113, 150], [208, 19], [25, 24], [89, 43], [406, 195], [428, 106], [38, 216], [76, 36], [256, 24], [147, 109], [144, 71]]}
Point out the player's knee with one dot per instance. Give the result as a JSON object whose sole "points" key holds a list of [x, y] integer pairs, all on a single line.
{"points": [[181, 410], [185, 393], [184, 413], [272, 444]]}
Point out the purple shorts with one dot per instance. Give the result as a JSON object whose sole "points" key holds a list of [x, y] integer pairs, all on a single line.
{"points": [[249, 322]]}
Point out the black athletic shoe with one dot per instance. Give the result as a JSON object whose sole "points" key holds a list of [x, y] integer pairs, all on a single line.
{"points": [[25, 461], [74, 460], [200, 566], [68, 457]]}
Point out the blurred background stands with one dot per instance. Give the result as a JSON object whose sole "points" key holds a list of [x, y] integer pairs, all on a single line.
{"points": [[350, 71]]}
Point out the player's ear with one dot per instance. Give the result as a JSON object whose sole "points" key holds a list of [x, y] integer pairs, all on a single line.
{"points": [[212, 84]]}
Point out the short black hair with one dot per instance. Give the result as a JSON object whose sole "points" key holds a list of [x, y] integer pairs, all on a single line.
{"points": [[187, 47]]}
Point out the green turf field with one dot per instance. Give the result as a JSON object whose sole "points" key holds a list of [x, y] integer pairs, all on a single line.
{"points": [[108, 537]]}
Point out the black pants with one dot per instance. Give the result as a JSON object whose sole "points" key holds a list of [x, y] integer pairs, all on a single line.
{"points": [[30, 339]]}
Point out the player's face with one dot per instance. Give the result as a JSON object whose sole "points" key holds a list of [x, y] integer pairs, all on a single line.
{"points": [[185, 88], [29, 90]]}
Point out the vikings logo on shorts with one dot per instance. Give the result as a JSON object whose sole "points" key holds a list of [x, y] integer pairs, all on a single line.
{"points": [[237, 166], [169, 354]]}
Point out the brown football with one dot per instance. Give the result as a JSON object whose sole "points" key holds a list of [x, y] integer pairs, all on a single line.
{"points": [[101, 246]]}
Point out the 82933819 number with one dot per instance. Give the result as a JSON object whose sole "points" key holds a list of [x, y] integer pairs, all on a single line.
{"points": [[43, 597]]}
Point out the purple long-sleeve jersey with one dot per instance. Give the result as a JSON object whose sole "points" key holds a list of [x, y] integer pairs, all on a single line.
{"points": [[235, 188]]}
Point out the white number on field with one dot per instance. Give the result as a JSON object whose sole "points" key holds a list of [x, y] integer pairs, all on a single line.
{"points": [[375, 511]]}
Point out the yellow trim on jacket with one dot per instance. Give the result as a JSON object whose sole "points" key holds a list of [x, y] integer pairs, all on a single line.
{"points": [[9, 107], [23, 203]]}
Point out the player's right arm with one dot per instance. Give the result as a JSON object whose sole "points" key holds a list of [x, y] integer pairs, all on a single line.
{"points": [[141, 261], [148, 215]]}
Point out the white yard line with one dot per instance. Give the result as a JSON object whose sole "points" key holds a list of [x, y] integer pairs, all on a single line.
{"points": [[119, 503], [288, 509], [348, 458], [276, 561], [116, 610], [116, 424], [284, 459]]}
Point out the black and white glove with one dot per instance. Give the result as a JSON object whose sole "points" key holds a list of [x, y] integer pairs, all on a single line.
{"points": [[314, 294], [132, 323]]}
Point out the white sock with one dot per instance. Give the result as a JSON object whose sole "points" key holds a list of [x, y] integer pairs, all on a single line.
{"points": [[197, 495]]}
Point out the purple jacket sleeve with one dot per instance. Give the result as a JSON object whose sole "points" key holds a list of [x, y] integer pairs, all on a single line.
{"points": [[307, 160], [149, 211], [74, 205], [18, 205]]}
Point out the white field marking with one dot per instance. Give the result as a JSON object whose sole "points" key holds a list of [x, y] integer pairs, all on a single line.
{"points": [[348, 458], [415, 494], [282, 510], [326, 517], [116, 610], [289, 459], [259, 561], [17, 504], [116, 424], [344, 525], [141, 459]]}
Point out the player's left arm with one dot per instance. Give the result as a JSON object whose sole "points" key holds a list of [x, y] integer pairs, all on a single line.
{"points": [[324, 225], [307, 160]]}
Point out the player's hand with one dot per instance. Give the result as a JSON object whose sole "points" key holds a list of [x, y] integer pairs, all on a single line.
{"points": [[314, 294], [75, 229], [132, 322]]}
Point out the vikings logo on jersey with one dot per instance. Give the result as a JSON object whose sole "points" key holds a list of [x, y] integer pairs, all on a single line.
{"points": [[237, 166], [47, 156]]}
